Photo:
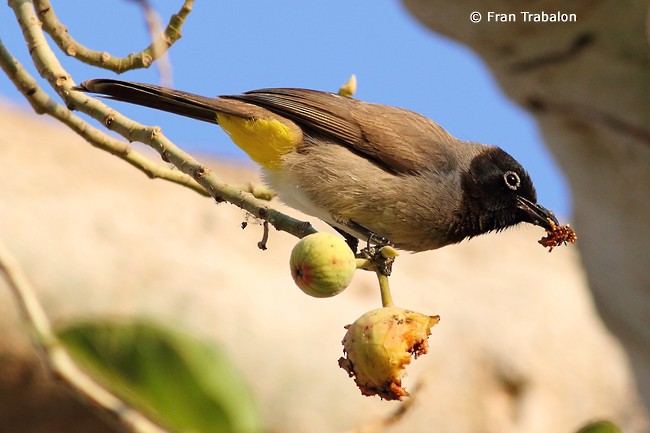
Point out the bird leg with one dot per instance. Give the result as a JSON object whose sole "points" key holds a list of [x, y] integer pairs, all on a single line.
{"points": [[382, 262], [352, 241]]}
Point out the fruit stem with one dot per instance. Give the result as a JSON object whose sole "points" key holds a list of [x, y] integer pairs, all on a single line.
{"points": [[384, 289], [384, 285], [366, 265]]}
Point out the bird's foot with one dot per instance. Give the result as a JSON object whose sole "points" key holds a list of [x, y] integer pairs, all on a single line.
{"points": [[380, 253], [352, 241]]}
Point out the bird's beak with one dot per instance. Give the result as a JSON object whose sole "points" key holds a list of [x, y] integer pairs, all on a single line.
{"points": [[537, 214]]}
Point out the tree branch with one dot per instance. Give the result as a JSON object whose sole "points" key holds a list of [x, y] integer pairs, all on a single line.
{"points": [[221, 191], [42, 103], [50, 68], [154, 25], [142, 59]]}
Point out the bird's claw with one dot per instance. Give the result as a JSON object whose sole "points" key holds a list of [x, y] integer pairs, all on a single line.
{"points": [[381, 253]]}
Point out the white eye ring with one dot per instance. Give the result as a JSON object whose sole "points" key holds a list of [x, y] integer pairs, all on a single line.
{"points": [[512, 180]]}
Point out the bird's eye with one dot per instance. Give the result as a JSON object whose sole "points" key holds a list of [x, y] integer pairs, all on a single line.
{"points": [[512, 180]]}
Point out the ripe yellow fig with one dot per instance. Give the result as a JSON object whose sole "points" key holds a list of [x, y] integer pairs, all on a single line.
{"points": [[322, 265], [380, 344]]}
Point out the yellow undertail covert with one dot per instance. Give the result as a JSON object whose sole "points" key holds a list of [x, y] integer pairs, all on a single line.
{"points": [[265, 140]]}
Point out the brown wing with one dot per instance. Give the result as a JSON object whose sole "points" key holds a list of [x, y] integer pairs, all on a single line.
{"points": [[398, 139]]}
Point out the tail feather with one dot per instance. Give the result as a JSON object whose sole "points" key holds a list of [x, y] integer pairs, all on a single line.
{"points": [[160, 98]]}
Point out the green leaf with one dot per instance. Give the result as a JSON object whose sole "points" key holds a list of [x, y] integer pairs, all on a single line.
{"points": [[600, 427], [184, 384]]}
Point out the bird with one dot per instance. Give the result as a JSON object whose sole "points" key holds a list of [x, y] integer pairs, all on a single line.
{"points": [[375, 173]]}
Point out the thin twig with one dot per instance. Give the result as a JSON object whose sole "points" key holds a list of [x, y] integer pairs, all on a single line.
{"points": [[154, 25], [265, 236], [57, 359], [142, 59]]}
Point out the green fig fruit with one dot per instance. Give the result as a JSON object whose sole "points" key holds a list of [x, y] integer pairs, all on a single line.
{"points": [[322, 264]]}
